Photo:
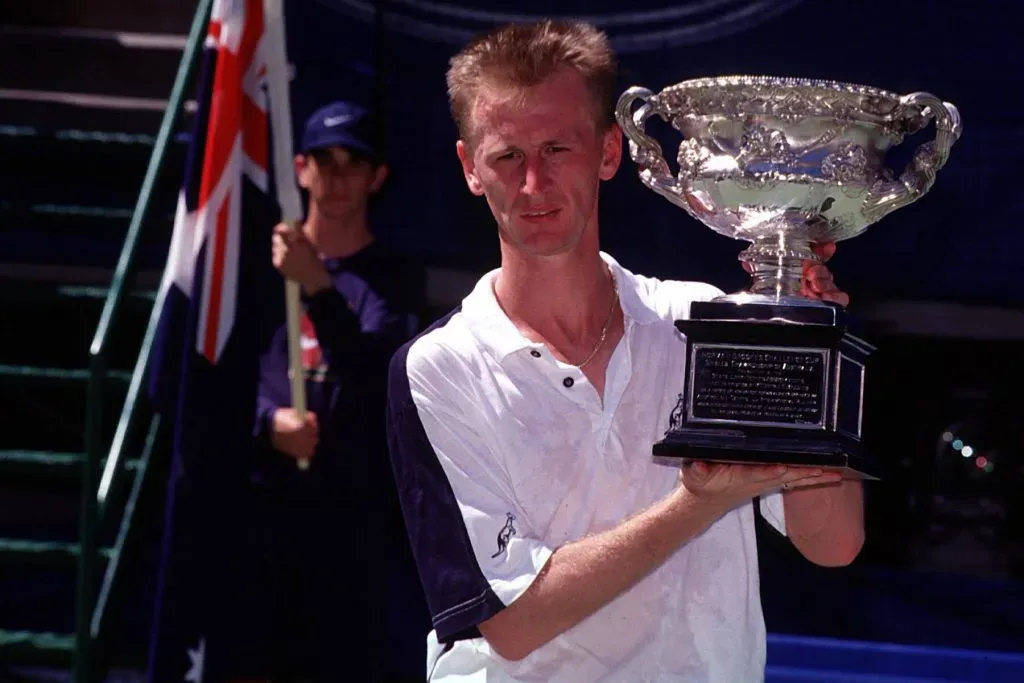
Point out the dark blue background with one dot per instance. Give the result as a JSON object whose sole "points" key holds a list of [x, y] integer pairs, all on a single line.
{"points": [[961, 241]]}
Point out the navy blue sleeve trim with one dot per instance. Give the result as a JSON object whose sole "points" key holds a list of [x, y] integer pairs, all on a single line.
{"points": [[458, 595]]}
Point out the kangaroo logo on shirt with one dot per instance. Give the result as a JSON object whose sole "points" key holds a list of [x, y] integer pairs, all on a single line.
{"points": [[506, 533], [675, 418]]}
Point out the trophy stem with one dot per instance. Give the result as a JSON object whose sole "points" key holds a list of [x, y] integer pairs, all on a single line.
{"points": [[777, 266]]}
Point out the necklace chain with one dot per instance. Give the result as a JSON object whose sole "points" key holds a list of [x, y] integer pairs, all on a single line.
{"points": [[607, 325]]}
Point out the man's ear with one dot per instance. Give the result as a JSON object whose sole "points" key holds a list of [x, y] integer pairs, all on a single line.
{"points": [[469, 168], [611, 152], [302, 170], [380, 174]]}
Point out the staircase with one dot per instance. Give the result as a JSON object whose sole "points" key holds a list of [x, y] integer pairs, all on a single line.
{"points": [[83, 91], [43, 384]]}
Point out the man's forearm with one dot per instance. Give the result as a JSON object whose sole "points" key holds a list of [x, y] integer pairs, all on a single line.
{"points": [[826, 523], [581, 577]]}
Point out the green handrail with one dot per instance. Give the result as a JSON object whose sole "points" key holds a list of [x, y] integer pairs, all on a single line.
{"points": [[87, 559]]}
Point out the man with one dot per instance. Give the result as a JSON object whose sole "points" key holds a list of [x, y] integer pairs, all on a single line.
{"points": [[549, 544], [334, 530]]}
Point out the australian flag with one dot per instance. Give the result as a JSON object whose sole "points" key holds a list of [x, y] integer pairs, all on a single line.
{"points": [[221, 301]]}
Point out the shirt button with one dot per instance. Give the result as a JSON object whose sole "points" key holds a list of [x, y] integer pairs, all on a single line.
{"points": [[567, 382], [535, 353]]}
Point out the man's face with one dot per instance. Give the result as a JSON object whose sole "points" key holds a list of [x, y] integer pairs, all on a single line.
{"points": [[537, 156], [339, 184]]}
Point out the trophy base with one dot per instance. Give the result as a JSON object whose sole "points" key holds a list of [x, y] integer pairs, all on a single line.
{"points": [[739, 447], [779, 301], [771, 383]]}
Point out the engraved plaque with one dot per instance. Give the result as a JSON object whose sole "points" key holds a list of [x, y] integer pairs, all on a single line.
{"points": [[758, 385]]}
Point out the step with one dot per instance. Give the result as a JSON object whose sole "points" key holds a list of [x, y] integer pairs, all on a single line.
{"points": [[162, 16], [48, 464], [95, 188], [22, 463], [56, 375], [58, 111], [46, 407], [21, 298], [41, 493], [44, 553], [90, 65], [90, 168], [79, 294], [26, 647], [60, 323], [76, 236], [52, 145], [93, 292], [40, 509]]}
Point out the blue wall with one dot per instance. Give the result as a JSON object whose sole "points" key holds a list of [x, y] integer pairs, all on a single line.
{"points": [[962, 241]]}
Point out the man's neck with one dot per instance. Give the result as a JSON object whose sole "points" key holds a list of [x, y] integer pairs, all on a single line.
{"points": [[565, 292], [337, 237]]}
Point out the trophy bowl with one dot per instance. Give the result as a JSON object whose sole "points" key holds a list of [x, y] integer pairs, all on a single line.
{"points": [[784, 163], [774, 376]]}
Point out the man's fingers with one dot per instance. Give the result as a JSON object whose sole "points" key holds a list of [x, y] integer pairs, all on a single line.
{"points": [[824, 250], [750, 472], [819, 479], [819, 284], [815, 272], [744, 475], [837, 297], [766, 472], [823, 286], [289, 234]]}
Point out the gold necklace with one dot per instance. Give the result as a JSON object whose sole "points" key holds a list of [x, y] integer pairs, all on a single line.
{"points": [[607, 324]]}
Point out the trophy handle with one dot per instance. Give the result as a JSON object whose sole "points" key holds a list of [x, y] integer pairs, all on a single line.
{"points": [[919, 175], [645, 150]]}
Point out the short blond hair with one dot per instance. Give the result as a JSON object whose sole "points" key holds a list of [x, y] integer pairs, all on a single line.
{"points": [[523, 55]]}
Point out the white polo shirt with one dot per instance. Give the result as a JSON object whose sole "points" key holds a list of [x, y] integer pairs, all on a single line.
{"points": [[502, 453]]}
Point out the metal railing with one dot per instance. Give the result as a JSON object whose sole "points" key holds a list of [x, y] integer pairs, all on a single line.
{"points": [[96, 489]]}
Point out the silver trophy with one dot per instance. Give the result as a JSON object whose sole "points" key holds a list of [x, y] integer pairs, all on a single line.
{"points": [[783, 163]]}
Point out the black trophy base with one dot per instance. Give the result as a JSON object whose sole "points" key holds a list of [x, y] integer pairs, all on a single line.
{"points": [[829, 452], [771, 384]]}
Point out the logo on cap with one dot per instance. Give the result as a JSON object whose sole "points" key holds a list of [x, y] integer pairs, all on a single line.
{"points": [[332, 121]]}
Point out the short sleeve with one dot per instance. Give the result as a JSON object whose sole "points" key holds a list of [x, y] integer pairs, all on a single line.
{"points": [[671, 299], [474, 549]]}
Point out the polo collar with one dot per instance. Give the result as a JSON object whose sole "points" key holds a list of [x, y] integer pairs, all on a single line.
{"points": [[499, 335]]}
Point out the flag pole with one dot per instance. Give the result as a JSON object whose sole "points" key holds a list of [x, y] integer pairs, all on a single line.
{"points": [[287, 192]]}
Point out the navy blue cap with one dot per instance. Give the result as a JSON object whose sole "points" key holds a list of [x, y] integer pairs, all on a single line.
{"points": [[341, 124]]}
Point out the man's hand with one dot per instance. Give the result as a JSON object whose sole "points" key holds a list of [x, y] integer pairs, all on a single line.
{"points": [[297, 259], [727, 485], [818, 283], [293, 436]]}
